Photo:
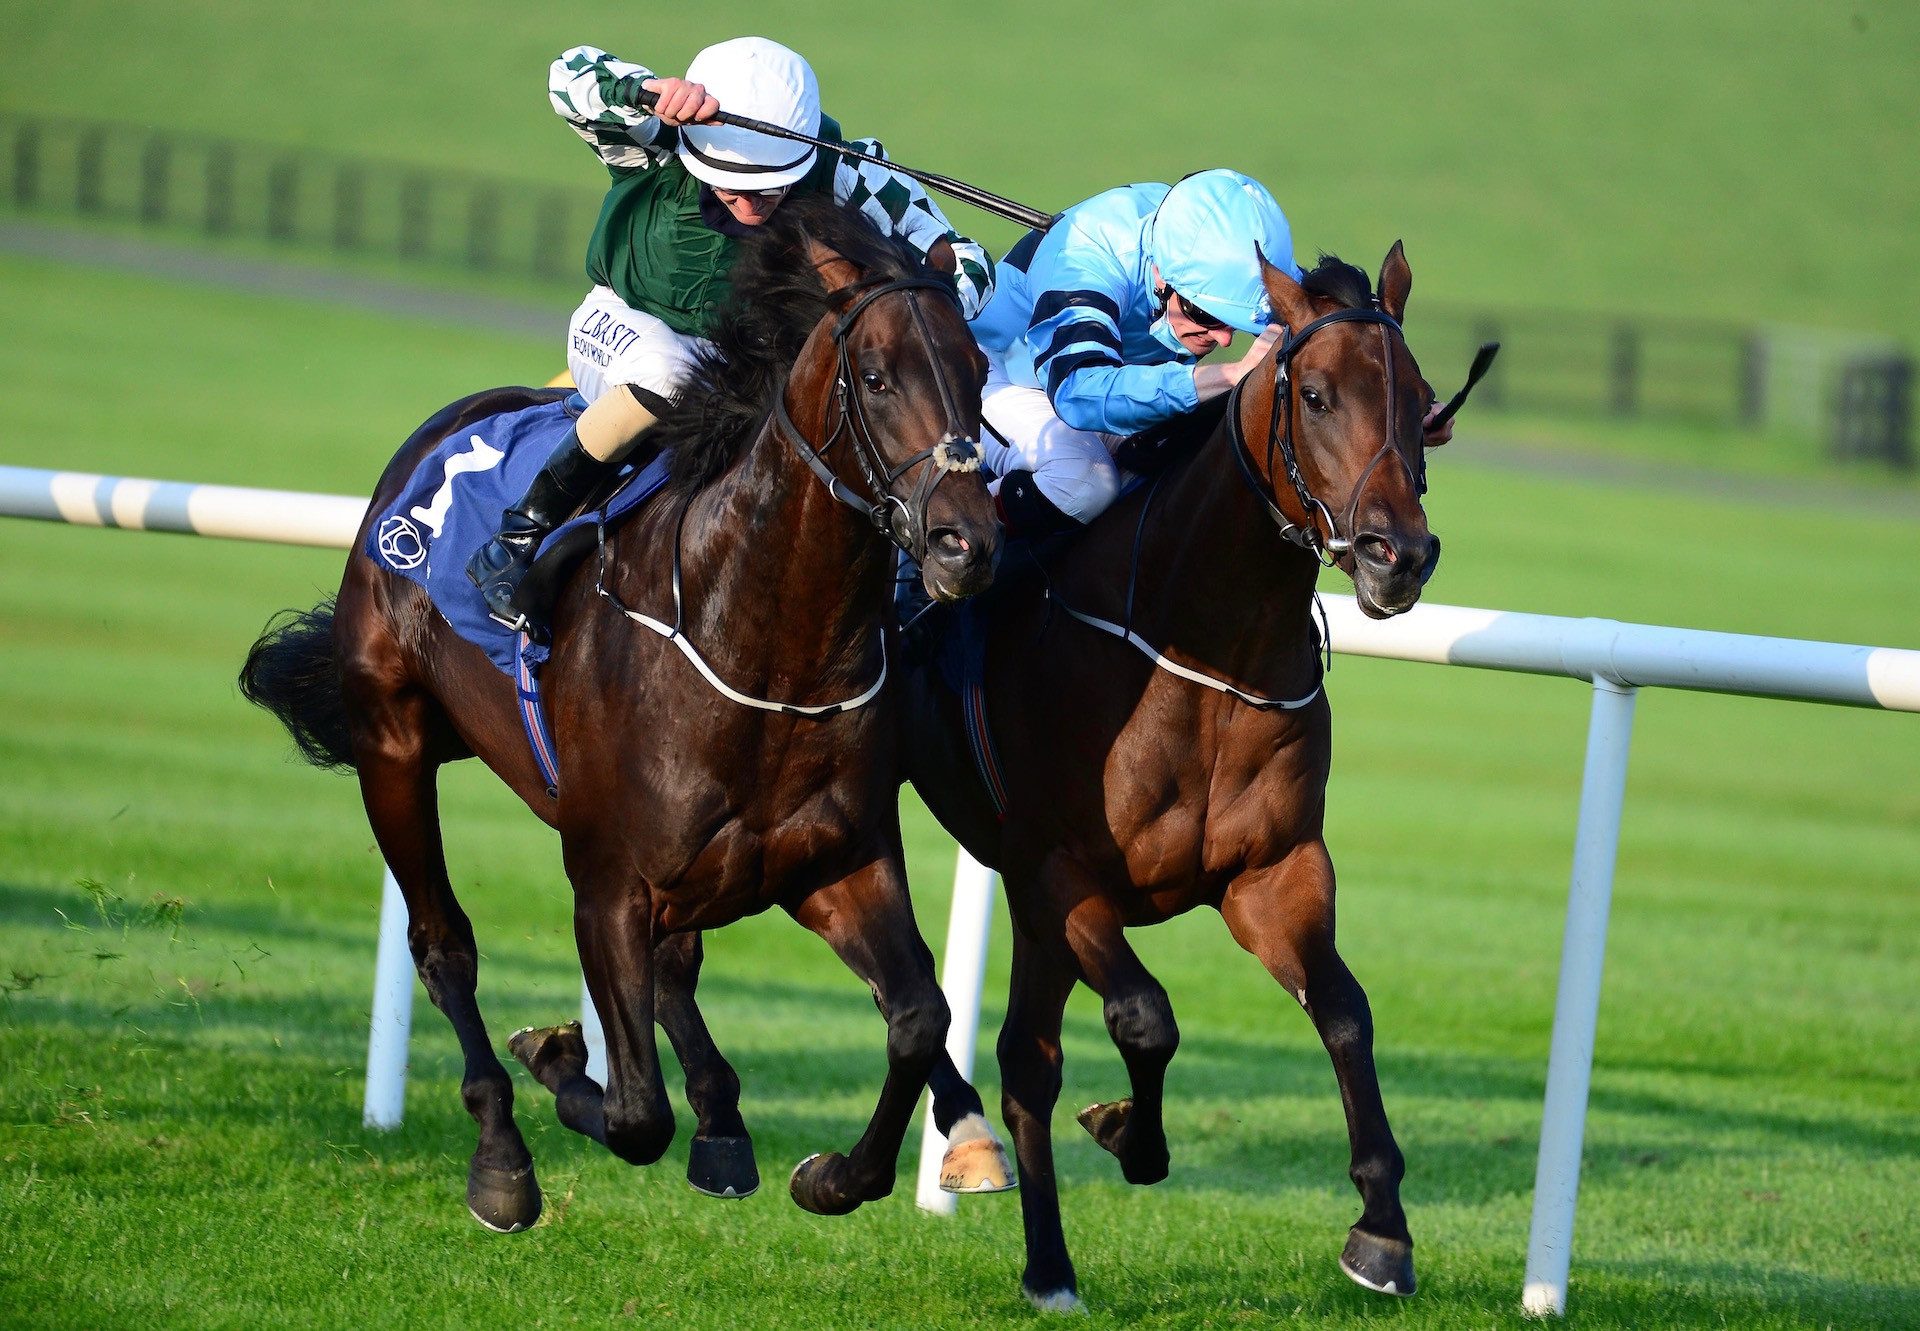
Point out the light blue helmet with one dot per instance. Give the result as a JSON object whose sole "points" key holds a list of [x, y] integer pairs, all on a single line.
{"points": [[1203, 241]]}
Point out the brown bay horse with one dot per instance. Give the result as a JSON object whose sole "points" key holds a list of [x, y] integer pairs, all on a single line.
{"points": [[837, 412], [1135, 792]]}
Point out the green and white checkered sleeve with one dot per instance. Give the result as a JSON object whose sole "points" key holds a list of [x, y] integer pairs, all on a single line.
{"points": [[899, 206], [599, 96]]}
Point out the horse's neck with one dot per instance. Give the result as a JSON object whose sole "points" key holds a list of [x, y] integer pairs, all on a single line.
{"points": [[780, 579], [1217, 578]]}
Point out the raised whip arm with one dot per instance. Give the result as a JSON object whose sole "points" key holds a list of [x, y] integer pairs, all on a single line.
{"points": [[985, 200]]}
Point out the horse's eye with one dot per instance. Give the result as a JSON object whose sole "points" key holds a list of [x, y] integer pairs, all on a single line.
{"points": [[1313, 399], [873, 382]]}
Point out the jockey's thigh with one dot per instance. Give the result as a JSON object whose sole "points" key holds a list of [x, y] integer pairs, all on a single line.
{"points": [[609, 343], [1073, 468]]}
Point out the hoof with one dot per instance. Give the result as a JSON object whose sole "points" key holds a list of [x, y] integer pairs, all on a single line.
{"points": [[1384, 1266], [722, 1167], [1107, 1124], [975, 1161], [506, 1201], [553, 1054], [976, 1167], [1054, 1301], [815, 1189]]}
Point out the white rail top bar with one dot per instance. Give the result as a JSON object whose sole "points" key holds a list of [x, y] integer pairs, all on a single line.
{"points": [[1634, 654], [286, 517], [1585, 649]]}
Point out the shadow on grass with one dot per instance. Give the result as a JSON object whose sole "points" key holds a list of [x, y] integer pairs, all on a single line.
{"points": [[1236, 1105]]}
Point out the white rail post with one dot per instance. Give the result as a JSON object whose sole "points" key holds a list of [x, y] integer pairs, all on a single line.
{"points": [[392, 1013], [962, 974], [595, 1037], [1576, 1011]]}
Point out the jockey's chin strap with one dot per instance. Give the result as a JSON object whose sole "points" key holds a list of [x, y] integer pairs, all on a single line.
{"points": [[1329, 548], [902, 520]]}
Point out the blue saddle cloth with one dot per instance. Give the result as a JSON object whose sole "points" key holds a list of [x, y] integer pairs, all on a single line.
{"points": [[451, 506]]}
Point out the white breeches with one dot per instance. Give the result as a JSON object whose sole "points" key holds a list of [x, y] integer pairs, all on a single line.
{"points": [[609, 344], [1073, 468]]}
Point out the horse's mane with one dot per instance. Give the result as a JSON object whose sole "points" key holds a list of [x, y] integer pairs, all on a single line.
{"points": [[777, 299], [1340, 282]]}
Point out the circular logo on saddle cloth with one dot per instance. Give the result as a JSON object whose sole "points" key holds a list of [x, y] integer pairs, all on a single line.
{"points": [[400, 544]]}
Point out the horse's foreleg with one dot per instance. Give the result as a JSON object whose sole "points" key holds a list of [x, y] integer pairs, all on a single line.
{"points": [[397, 783], [868, 921], [613, 929], [1029, 1053], [1284, 916], [1139, 1017], [974, 1161], [720, 1159]]}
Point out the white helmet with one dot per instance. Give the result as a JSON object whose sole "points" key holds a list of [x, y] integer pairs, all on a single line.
{"points": [[763, 80]]}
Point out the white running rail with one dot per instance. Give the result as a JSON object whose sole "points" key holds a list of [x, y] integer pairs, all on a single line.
{"points": [[1615, 659]]}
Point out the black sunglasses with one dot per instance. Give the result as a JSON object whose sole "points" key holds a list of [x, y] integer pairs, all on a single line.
{"points": [[1200, 316]]}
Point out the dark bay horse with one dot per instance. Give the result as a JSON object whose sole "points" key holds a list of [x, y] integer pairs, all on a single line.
{"points": [[836, 412], [1135, 792]]}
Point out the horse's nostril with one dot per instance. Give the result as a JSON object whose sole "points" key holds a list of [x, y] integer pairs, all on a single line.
{"points": [[1376, 548], [949, 543]]}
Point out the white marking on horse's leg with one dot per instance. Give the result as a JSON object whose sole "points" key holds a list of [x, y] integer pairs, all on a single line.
{"points": [[971, 1128], [1059, 1301]]}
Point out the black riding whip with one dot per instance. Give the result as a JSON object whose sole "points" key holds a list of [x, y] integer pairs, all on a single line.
{"points": [[985, 200]]}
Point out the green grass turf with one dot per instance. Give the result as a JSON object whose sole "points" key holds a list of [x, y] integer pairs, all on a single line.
{"points": [[179, 1119], [1714, 159]]}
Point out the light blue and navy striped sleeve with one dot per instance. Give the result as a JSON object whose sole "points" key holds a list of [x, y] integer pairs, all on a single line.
{"points": [[1074, 336]]}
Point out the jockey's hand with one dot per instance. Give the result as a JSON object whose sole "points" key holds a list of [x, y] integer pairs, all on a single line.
{"points": [[1262, 348], [1436, 435], [682, 103]]}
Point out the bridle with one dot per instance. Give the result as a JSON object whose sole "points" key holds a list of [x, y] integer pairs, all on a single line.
{"points": [[902, 520], [1335, 544]]}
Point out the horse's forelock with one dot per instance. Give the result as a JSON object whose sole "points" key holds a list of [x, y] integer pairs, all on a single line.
{"points": [[1340, 282]]}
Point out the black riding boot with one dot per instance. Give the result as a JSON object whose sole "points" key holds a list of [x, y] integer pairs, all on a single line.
{"points": [[1026, 513], [498, 567]]}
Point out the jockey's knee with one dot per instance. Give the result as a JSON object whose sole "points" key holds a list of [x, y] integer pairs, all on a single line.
{"points": [[1082, 488]]}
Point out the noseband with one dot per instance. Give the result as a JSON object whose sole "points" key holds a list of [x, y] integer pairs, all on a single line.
{"points": [[1328, 549], [902, 520]]}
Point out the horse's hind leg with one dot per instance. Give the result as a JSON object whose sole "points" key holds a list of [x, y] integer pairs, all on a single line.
{"points": [[720, 1157], [868, 920], [1284, 916], [397, 782]]}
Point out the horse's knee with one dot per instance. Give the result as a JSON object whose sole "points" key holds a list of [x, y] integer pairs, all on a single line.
{"points": [[916, 1030], [1141, 1023], [447, 966]]}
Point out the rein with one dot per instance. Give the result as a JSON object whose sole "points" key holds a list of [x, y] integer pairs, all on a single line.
{"points": [[904, 522]]}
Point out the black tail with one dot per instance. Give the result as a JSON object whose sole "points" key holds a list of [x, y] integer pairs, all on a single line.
{"points": [[291, 673]]}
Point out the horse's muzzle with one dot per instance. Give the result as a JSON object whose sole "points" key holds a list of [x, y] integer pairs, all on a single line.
{"points": [[958, 564]]}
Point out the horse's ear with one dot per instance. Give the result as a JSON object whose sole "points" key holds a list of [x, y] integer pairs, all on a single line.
{"points": [[1396, 283], [836, 271], [1290, 304]]}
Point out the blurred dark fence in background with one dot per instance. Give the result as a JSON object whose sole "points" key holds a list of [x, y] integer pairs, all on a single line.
{"points": [[1856, 393]]}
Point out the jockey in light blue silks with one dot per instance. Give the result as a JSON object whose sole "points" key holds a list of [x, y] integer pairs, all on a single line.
{"points": [[1097, 328]]}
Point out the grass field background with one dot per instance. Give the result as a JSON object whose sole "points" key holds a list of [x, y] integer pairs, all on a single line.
{"points": [[187, 916], [188, 920]]}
